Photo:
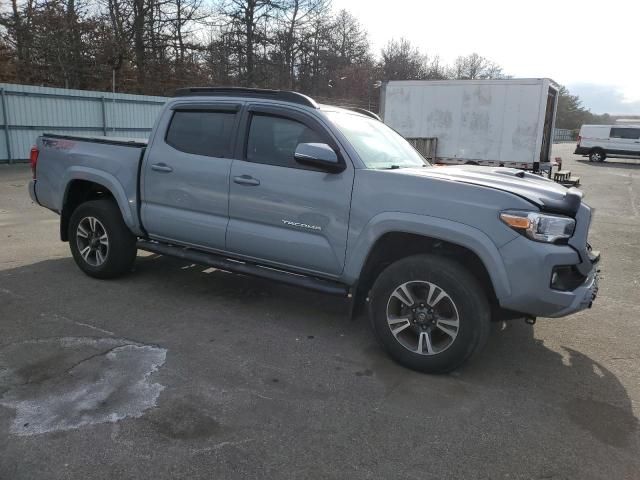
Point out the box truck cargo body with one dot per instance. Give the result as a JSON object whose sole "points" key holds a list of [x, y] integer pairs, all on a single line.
{"points": [[484, 122]]}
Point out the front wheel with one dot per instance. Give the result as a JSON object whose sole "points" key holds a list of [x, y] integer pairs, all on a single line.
{"points": [[100, 242], [429, 313]]}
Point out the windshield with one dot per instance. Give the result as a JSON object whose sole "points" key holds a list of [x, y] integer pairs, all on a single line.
{"points": [[377, 145]]}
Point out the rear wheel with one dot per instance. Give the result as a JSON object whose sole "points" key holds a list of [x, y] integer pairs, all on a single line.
{"points": [[429, 313], [597, 155], [100, 242]]}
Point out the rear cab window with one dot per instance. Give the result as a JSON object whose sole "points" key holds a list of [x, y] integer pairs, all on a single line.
{"points": [[206, 132]]}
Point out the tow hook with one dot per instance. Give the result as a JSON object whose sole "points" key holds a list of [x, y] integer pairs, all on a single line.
{"points": [[530, 320]]}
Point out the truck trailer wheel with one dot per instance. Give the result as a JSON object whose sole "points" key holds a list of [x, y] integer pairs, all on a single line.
{"points": [[429, 313], [100, 242]]}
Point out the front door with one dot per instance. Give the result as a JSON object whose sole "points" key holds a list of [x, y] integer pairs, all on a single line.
{"points": [[185, 175], [281, 212]]}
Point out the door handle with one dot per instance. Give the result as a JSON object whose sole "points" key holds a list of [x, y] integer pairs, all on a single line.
{"points": [[161, 167], [246, 180]]}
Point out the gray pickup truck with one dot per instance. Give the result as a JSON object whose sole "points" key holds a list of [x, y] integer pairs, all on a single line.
{"points": [[271, 184]]}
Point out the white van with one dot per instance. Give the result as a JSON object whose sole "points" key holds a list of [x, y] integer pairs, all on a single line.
{"points": [[601, 141]]}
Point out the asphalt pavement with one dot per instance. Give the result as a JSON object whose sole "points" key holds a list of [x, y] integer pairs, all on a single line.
{"points": [[179, 371]]}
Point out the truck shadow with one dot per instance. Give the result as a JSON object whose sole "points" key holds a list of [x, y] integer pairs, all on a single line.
{"points": [[163, 292]]}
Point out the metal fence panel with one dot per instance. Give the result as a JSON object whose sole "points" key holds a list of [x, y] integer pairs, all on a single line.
{"points": [[28, 111], [427, 146], [563, 135]]}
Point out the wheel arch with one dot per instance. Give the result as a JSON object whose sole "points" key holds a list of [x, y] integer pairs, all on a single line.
{"points": [[396, 235], [83, 186]]}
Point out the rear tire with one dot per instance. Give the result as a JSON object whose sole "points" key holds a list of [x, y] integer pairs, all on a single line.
{"points": [[429, 313], [101, 244], [597, 155]]}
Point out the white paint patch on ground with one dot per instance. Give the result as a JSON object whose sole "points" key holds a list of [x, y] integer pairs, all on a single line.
{"points": [[62, 318], [66, 383]]}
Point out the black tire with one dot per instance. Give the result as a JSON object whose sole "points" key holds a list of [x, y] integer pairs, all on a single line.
{"points": [[118, 256], [461, 289], [597, 155]]}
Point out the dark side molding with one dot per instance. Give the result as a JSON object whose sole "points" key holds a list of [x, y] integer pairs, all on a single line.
{"points": [[243, 267]]}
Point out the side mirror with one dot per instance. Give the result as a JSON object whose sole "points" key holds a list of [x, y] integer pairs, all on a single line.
{"points": [[318, 155]]}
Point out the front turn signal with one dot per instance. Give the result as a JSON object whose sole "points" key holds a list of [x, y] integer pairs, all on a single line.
{"points": [[515, 221]]}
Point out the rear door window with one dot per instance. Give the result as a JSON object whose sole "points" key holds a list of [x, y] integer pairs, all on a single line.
{"points": [[199, 132]]}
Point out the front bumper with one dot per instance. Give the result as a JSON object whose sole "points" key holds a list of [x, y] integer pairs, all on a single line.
{"points": [[530, 266], [583, 296]]}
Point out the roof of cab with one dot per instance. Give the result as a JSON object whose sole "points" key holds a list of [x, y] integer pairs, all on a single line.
{"points": [[282, 95]]}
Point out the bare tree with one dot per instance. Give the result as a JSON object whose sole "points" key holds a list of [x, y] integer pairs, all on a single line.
{"points": [[155, 46], [348, 40], [245, 18], [475, 67], [402, 61], [17, 22], [295, 22]]}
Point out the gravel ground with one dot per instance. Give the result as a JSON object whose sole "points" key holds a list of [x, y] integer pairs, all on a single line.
{"points": [[178, 371]]}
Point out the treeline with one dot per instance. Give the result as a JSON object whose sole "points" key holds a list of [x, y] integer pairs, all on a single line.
{"points": [[155, 46], [571, 114]]}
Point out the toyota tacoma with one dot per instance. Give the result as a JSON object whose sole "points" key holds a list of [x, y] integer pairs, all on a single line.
{"points": [[271, 184]]}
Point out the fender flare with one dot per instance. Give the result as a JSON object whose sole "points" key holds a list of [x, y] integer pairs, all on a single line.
{"points": [[434, 227], [110, 182]]}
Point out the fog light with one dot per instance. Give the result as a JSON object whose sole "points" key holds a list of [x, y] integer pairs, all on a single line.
{"points": [[566, 278]]}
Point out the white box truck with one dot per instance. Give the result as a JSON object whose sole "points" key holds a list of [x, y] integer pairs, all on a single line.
{"points": [[483, 122]]}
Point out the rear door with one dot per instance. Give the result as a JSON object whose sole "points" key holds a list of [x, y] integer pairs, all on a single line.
{"points": [[283, 213], [185, 175], [624, 140]]}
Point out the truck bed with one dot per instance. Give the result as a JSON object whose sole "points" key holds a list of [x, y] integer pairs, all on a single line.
{"points": [[109, 161]]}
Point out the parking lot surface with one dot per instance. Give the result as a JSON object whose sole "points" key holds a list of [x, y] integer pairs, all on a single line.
{"points": [[179, 371]]}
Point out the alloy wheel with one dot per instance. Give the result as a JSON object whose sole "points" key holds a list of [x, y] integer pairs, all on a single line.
{"points": [[92, 241], [423, 317]]}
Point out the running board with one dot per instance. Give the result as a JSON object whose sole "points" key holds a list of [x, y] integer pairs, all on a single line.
{"points": [[224, 263]]}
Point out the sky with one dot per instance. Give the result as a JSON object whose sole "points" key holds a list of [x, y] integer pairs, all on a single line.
{"points": [[590, 47]]}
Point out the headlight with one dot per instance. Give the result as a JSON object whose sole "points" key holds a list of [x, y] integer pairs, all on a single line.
{"points": [[540, 227]]}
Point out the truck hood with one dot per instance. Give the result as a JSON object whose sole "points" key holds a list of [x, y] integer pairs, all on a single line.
{"points": [[542, 192]]}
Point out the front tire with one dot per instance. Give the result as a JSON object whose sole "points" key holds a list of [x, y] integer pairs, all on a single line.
{"points": [[101, 244], [429, 313]]}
